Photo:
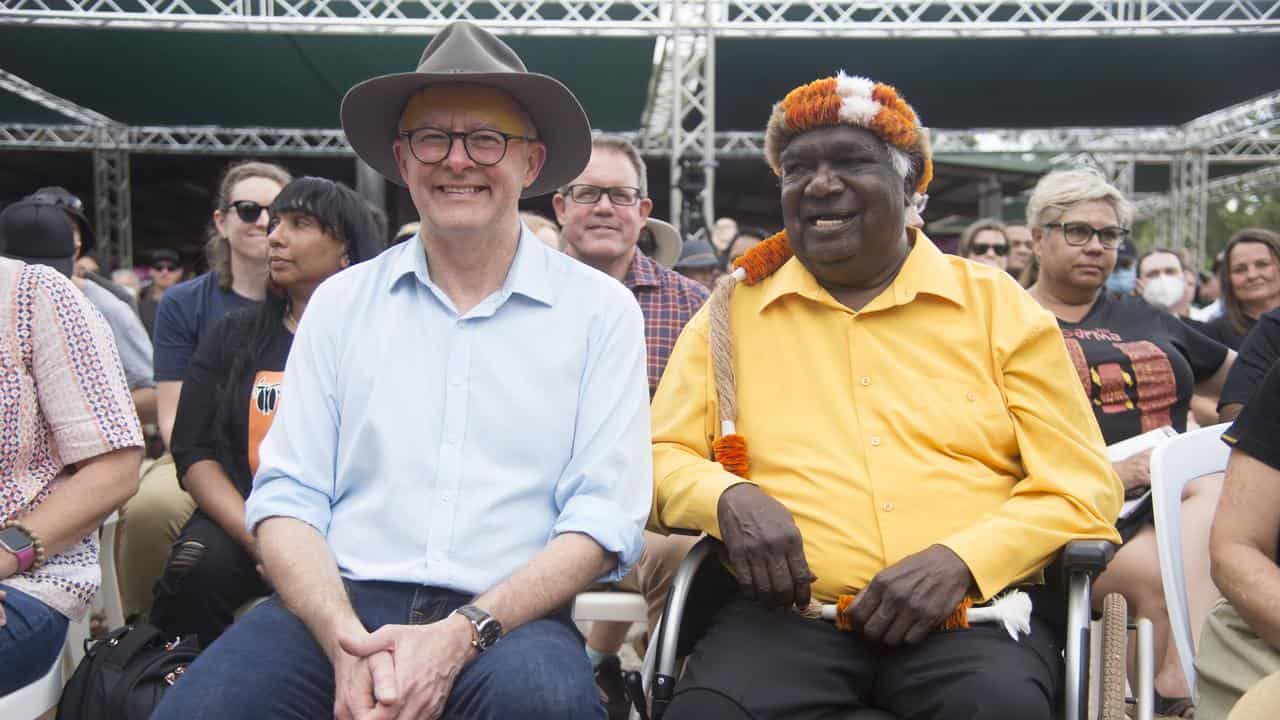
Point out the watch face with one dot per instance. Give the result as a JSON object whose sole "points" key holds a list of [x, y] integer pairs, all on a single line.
{"points": [[14, 539], [489, 630]]}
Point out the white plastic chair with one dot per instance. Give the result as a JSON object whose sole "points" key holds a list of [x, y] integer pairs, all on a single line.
{"points": [[1175, 463], [617, 607], [36, 699], [109, 591]]}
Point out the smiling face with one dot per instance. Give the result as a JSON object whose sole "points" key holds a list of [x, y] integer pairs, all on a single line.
{"points": [[302, 253], [1255, 276], [248, 240], [455, 197], [843, 205], [1079, 268], [602, 233]]}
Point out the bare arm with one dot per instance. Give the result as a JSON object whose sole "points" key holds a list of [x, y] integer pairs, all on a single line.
{"points": [[568, 564], [144, 401], [299, 563], [1212, 385], [218, 498], [167, 394], [1243, 544], [1230, 412], [78, 505]]}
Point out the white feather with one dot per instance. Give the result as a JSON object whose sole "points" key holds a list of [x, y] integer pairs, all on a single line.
{"points": [[853, 86], [1013, 610], [859, 111]]}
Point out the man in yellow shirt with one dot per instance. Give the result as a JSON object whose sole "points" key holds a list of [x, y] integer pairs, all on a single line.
{"points": [[866, 416]]}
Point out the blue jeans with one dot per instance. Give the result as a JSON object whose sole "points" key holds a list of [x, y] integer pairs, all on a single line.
{"points": [[30, 640], [268, 665]]}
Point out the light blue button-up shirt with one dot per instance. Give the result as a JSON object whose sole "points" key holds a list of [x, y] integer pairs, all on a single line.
{"points": [[446, 450]]}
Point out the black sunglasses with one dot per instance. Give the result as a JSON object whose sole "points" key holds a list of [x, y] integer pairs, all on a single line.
{"points": [[982, 248], [248, 210], [165, 267]]}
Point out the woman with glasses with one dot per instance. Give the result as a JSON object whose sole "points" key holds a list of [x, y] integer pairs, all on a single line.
{"points": [[237, 277], [1250, 282], [985, 242], [232, 390], [1139, 367]]}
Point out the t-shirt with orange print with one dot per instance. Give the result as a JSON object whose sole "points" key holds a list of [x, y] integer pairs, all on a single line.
{"points": [[224, 418], [1138, 365]]}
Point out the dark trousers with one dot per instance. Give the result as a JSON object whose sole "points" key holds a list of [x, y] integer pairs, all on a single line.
{"points": [[207, 578], [758, 663], [267, 665]]}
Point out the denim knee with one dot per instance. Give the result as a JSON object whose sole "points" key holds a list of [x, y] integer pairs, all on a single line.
{"points": [[30, 640]]}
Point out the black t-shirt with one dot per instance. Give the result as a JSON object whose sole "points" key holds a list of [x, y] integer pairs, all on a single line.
{"points": [[214, 424], [1138, 364], [1221, 329], [1257, 430], [1257, 355]]}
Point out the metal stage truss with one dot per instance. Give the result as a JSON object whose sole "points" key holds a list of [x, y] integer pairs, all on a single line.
{"points": [[678, 121]]}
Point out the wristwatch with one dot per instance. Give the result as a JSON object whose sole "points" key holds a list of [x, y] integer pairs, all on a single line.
{"points": [[485, 628], [17, 541]]}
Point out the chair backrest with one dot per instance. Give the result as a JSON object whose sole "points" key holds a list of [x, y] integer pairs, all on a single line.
{"points": [[110, 588], [1175, 463]]}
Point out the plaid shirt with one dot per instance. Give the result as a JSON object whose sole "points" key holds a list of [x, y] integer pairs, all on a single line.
{"points": [[667, 299]]}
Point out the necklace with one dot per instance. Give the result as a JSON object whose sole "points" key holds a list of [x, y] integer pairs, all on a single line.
{"points": [[290, 322]]}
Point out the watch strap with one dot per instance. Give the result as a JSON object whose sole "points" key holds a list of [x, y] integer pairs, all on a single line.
{"points": [[27, 555]]}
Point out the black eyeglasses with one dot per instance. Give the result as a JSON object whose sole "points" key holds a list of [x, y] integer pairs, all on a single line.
{"points": [[982, 248], [1079, 233], [485, 147], [165, 267], [248, 210], [591, 194]]}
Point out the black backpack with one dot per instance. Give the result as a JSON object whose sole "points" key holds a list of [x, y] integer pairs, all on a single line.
{"points": [[124, 675]]}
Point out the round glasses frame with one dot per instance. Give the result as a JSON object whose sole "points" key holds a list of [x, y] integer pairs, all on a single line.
{"points": [[485, 148]]}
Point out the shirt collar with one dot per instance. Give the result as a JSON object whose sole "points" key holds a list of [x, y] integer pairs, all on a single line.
{"points": [[529, 275], [925, 271], [642, 272]]}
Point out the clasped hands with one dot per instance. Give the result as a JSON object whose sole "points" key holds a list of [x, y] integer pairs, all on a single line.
{"points": [[902, 604], [402, 672]]}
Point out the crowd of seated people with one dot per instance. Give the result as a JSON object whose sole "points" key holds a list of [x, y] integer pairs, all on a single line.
{"points": [[391, 462]]}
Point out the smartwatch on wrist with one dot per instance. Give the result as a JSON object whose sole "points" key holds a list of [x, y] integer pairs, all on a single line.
{"points": [[23, 546], [485, 628]]}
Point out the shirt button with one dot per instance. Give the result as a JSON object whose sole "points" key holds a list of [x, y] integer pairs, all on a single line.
{"points": [[887, 507], [970, 396], [865, 381], [875, 441]]}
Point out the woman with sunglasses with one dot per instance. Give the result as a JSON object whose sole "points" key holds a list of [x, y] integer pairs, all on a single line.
{"points": [[237, 253], [985, 242], [1139, 367], [318, 227]]}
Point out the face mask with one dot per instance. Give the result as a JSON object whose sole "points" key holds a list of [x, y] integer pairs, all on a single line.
{"points": [[1164, 292], [1122, 281]]}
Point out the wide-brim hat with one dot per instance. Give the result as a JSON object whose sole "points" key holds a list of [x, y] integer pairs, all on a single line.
{"points": [[466, 53], [666, 241], [37, 233]]}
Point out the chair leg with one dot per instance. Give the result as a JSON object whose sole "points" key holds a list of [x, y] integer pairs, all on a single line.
{"points": [[1144, 688]]}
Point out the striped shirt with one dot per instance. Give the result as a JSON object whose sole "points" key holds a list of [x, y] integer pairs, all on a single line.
{"points": [[63, 400], [667, 299]]}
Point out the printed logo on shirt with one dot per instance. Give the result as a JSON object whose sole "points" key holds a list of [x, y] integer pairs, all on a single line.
{"points": [[1142, 378], [264, 400]]}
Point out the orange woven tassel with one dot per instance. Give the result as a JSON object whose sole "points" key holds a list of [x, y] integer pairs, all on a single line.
{"points": [[765, 258], [731, 452], [959, 618]]}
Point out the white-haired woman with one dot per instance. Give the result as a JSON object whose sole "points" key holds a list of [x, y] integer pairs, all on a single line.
{"points": [[1139, 366]]}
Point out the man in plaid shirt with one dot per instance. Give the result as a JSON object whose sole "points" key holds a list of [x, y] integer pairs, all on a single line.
{"points": [[601, 214]]}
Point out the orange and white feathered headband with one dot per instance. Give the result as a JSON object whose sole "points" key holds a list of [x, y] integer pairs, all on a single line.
{"points": [[848, 100], [839, 100]]}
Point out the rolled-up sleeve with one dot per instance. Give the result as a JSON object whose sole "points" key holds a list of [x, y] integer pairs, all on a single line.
{"points": [[606, 489], [297, 466], [1070, 491]]}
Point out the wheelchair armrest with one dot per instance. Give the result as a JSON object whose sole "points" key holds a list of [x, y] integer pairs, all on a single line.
{"points": [[1086, 556]]}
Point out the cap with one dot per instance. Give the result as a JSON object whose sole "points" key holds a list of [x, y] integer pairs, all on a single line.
{"points": [[697, 254], [64, 199], [38, 233]]}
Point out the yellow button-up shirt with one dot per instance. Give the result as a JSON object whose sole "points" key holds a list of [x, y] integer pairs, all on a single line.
{"points": [[945, 411]]}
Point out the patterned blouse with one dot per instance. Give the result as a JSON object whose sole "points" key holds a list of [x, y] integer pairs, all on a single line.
{"points": [[63, 399]]}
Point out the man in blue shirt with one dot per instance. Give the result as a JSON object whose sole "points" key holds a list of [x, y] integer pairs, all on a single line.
{"points": [[462, 442]]}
